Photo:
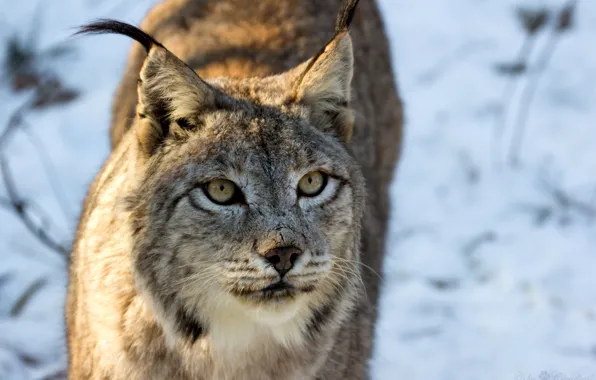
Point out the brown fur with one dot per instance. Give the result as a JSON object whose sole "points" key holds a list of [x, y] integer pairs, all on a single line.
{"points": [[122, 294]]}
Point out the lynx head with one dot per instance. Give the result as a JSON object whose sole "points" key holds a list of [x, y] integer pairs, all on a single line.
{"points": [[248, 204]]}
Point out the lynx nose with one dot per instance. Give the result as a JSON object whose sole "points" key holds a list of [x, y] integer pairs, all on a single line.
{"points": [[283, 258]]}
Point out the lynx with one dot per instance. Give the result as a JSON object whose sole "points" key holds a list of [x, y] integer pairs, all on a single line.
{"points": [[237, 229]]}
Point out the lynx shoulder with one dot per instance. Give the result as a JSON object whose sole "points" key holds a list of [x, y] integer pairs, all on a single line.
{"points": [[237, 229]]}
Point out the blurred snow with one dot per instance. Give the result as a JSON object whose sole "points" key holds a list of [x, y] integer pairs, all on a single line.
{"points": [[490, 268], [475, 287]]}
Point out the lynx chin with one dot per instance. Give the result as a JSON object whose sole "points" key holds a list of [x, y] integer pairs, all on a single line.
{"points": [[237, 229]]}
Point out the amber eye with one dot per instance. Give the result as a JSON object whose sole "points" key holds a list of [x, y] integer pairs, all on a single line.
{"points": [[312, 184], [223, 192]]}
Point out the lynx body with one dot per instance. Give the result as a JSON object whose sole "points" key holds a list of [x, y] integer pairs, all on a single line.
{"points": [[237, 229]]}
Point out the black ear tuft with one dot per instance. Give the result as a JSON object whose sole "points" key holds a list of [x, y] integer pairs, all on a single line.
{"points": [[105, 26], [344, 19]]}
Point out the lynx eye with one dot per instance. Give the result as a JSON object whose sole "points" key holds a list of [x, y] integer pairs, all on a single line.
{"points": [[223, 192], [312, 184]]}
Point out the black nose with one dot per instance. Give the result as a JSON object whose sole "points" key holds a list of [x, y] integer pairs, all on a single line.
{"points": [[283, 258]]}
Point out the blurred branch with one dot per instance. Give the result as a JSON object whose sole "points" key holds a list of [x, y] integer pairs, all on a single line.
{"points": [[561, 204], [526, 102], [564, 22], [21, 209], [24, 299], [532, 21], [51, 172], [16, 121], [565, 200], [13, 123], [22, 64], [57, 374]]}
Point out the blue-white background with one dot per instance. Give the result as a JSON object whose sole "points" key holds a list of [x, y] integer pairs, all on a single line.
{"points": [[491, 269]]}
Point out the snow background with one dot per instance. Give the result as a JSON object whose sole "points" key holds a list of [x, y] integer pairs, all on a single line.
{"points": [[490, 266]]}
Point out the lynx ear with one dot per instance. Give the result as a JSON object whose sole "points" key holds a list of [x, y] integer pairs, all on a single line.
{"points": [[170, 94], [171, 97], [324, 84]]}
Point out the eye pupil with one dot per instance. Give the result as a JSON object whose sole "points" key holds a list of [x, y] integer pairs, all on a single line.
{"points": [[223, 192], [312, 184]]}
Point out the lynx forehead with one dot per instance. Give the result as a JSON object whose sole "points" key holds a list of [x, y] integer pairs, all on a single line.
{"points": [[226, 235]]}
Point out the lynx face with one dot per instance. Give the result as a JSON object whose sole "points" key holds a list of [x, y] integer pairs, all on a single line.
{"points": [[248, 204], [256, 208]]}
